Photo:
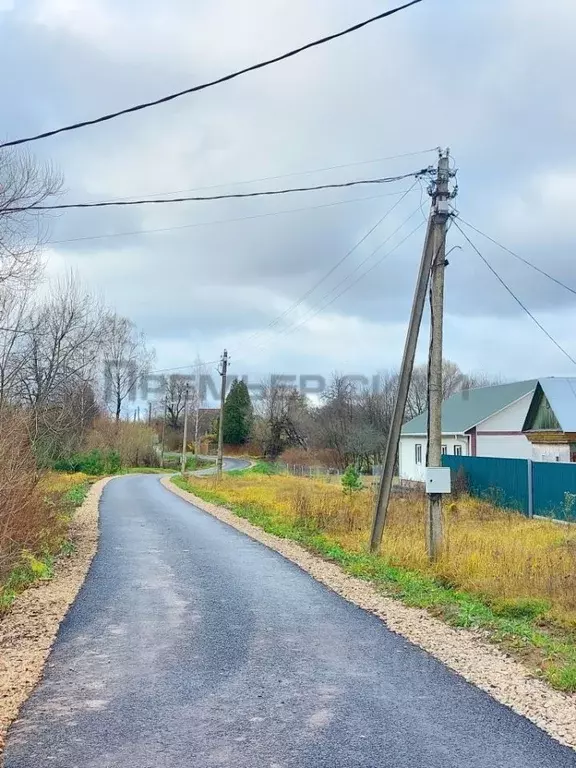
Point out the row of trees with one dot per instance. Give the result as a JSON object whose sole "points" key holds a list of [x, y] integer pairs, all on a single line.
{"points": [[350, 425], [58, 342]]}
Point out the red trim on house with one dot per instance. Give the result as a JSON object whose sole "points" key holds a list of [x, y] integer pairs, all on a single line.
{"points": [[496, 434]]}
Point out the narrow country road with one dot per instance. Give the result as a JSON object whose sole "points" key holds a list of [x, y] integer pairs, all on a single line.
{"points": [[191, 645], [228, 465]]}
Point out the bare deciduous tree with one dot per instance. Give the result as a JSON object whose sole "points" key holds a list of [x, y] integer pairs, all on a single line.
{"points": [[175, 394], [281, 418], [57, 362], [126, 358], [24, 183]]}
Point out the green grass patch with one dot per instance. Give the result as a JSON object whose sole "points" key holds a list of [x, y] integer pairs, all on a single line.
{"points": [[516, 625], [258, 468], [30, 569], [76, 495]]}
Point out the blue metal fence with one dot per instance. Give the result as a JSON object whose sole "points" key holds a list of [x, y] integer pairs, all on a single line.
{"points": [[554, 490], [504, 482], [531, 487]]}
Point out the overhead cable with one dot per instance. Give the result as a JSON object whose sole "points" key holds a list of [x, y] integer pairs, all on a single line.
{"points": [[224, 221], [230, 196], [363, 275], [517, 256], [320, 307], [210, 84], [332, 269], [516, 299], [286, 175]]}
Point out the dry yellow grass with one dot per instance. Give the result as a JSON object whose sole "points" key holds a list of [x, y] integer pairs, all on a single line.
{"points": [[60, 482], [492, 552]]}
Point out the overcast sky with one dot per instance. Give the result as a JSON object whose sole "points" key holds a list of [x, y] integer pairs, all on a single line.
{"points": [[492, 79]]}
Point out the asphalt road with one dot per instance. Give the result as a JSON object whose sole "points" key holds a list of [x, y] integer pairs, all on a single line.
{"points": [[191, 645], [228, 464]]}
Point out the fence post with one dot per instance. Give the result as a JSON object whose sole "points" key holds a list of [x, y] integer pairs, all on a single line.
{"points": [[530, 488]]}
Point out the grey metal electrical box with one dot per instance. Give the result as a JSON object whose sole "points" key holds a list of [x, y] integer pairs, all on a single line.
{"points": [[438, 480]]}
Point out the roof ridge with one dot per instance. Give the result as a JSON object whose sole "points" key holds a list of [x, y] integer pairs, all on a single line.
{"points": [[494, 386]]}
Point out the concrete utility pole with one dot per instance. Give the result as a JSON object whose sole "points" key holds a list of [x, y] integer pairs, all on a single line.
{"points": [[149, 414], [385, 487], [222, 373], [440, 215], [185, 436]]}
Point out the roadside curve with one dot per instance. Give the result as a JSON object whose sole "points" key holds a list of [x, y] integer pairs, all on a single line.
{"points": [[192, 644]]}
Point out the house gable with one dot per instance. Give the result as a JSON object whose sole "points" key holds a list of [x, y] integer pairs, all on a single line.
{"points": [[553, 405], [540, 414], [508, 420]]}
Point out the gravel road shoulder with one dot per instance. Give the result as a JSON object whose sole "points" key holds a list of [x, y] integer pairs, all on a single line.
{"points": [[482, 664], [29, 629]]}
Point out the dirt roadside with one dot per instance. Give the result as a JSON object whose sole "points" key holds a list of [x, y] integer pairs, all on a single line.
{"points": [[463, 651], [29, 629]]}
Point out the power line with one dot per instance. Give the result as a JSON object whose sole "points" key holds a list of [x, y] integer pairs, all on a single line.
{"points": [[229, 196], [363, 275], [520, 258], [183, 367], [223, 221], [218, 81], [516, 299], [335, 266], [287, 175], [316, 310]]}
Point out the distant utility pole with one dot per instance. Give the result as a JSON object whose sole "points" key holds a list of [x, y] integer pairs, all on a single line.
{"points": [[440, 215], [149, 414], [222, 373], [163, 432], [197, 422], [185, 436], [388, 468]]}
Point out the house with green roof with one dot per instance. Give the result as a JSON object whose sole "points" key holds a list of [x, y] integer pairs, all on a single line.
{"points": [[550, 424], [487, 421]]}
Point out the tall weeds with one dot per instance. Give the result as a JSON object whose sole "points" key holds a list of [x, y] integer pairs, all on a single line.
{"points": [[32, 517], [495, 553]]}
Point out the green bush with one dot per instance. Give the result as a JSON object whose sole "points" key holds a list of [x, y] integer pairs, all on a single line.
{"points": [[96, 462], [351, 480]]}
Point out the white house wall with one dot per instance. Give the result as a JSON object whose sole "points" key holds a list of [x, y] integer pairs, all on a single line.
{"points": [[550, 452], [409, 470], [509, 419], [505, 446]]}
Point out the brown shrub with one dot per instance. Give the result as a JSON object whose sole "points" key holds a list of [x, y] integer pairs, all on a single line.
{"points": [[28, 520], [134, 441]]}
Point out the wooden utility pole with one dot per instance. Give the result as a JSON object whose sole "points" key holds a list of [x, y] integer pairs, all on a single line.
{"points": [[149, 414], [185, 436], [197, 423], [222, 373], [163, 432], [440, 214], [433, 255], [385, 487]]}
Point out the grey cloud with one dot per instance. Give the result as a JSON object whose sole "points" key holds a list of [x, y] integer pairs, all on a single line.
{"points": [[499, 96]]}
